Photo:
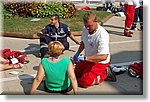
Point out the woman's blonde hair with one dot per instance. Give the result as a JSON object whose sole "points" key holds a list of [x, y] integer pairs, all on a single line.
{"points": [[55, 48], [90, 15]]}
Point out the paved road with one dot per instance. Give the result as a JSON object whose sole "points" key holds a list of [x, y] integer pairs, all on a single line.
{"points": [[124, 51]]}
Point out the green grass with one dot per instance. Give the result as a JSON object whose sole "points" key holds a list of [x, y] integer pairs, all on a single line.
{"points": [[25, 26]]}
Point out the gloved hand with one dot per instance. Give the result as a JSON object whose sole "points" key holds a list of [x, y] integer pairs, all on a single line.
{"points": [[75, 57], [81, 58]]}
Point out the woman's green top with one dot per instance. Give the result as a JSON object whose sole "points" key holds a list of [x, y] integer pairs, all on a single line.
{"points": [[56, 77]]}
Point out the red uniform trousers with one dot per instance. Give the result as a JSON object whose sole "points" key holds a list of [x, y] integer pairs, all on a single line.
{"points": [[129, 12], [88, 72]]}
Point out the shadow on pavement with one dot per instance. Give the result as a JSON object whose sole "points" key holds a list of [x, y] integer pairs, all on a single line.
{"points": [[128, 85], [115, 32], [126, 56], [26, 83], [112, 26], [35, 68], [33, 49]]}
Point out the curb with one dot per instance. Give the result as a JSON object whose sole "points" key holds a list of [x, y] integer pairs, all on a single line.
{"points": [[29, 36], [35, 36], [19, 35], [107, 18]]}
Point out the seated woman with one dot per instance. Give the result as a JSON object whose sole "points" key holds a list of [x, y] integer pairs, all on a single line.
{"points": [[58, 72]]}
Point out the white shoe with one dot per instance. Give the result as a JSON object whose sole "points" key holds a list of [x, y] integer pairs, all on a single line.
{"points": [[119, 69], [135, 29]]}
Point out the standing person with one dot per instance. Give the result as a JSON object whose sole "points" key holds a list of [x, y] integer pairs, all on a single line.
{"points": [[55, 31], [141, 15], [129, 12], [58, 72], [138, 14], [95, 42]]}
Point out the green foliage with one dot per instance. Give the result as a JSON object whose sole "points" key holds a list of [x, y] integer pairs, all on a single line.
{"points": [[34, 9], [50, 9], [6, 14], [71, 10], [25, 26]]}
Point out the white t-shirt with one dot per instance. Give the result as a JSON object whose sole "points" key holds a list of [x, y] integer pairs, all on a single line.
{"points": [[97, 43], [136, 3]]}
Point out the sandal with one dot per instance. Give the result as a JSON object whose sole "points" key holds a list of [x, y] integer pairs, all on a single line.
{"points": [[18, 65]]}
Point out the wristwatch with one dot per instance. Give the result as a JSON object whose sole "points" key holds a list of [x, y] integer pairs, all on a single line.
{"points": [[85, 58]]}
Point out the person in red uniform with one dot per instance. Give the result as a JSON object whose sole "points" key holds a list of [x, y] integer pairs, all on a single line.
{"points": [[129, 12], [90, 68]]}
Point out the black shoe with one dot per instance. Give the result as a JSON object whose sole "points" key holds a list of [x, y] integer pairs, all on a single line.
{"points": [[110, 74], [132, 28]]}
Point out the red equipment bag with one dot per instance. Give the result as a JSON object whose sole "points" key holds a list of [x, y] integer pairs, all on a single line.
{"points": [[136, 70], [85, 8], [8, 55], [22, 58]]}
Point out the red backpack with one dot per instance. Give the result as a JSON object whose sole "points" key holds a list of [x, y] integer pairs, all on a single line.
{"points": [[136, 70], [19, 57]]}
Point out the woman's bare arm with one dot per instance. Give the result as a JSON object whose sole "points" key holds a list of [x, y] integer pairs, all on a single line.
{"points": [[39, 77], [73, 79]]}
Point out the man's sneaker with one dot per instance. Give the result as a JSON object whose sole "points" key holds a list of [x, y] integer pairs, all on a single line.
{"points": [[132, 28], [127, 34], [119, 69], [110, 74], [135, 28], [130, 32]]}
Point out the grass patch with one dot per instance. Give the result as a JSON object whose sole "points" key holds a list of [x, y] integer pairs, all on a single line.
{"points": [[25, 26]]}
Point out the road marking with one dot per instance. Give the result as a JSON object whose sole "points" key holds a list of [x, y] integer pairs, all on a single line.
{"points": [[126, 63], [129, 41], [117, 42], [30, 76]]}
